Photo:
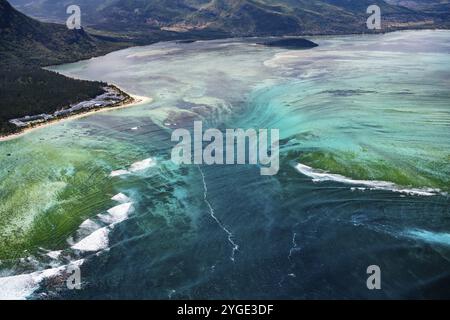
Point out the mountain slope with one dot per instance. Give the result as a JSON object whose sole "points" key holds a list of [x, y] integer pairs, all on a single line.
{"points": [[439, 10], [232, 17], [33, 42], [25, 46], [418, 4]]}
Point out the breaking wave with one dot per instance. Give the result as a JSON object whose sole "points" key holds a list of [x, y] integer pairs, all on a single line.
{"points": [[135, 167], [321, 176], [20, 287], [94, 238], [428, 236]]}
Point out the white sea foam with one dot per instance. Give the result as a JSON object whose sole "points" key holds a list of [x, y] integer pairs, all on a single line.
{"points": [[96, 241], [86, 228], [121, 198], [117, 214], [428, 236], [20, 287], [283, 59], [89, 225], [135, 167], [54, 254], [321, 176], [142, 165], [118, 173], [95, 238]]}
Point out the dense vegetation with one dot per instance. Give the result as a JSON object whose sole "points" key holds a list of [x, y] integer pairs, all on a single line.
{"points": [[243, 17], [25, 46], [33, 91]]}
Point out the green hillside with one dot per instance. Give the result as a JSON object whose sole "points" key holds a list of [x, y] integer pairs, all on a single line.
{"points": [[25, 46], [234, 17]]}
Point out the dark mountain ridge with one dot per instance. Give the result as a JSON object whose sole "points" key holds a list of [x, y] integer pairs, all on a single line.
{"points": [[25, 46], [237, 17], [33, 42]]}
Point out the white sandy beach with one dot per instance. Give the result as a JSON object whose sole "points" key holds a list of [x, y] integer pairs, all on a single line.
{"points": [[138, 100]]}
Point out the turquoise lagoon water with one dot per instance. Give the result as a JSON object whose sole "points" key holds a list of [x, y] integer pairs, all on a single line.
{"points": [[364, 179]]}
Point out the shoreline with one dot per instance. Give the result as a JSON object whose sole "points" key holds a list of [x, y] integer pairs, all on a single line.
{"points": [[230, 37], [135, 100]]}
